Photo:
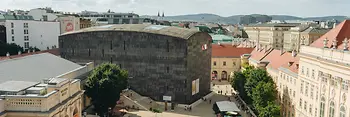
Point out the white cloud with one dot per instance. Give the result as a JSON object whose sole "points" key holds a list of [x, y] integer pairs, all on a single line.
{"points": [[177, 7]]}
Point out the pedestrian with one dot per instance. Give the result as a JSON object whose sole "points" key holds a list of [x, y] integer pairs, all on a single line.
{"points": [[209, 101]]}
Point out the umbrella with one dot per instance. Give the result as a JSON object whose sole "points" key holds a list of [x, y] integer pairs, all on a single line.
{"points": [[232, 113], [123, 110]]}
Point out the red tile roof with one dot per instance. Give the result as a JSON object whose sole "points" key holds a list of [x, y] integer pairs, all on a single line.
{"points": [[259, 54], [339, 33], [52, 51], [294, 66], [227, 50], [276, 60]]}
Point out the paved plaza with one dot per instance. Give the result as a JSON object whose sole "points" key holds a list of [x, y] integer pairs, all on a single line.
{"points": [[204, 109]]}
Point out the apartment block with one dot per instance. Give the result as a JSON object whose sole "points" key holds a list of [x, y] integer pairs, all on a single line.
{"points": [[270, 34]]}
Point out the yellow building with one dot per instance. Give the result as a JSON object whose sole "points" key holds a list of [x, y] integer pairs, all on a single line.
{"points": [[270, 34], [56, 97], [226, 59], [302, 35]]}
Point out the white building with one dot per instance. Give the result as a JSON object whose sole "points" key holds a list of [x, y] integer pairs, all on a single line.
{"points": [[29, 33], [43, 14], [99, 19]]}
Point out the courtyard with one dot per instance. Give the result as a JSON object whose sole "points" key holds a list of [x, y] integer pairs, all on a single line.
{"points": [[204, 109]]}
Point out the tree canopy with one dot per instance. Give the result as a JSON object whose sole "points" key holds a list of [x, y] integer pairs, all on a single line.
{"points": [[104, 86], [257, 89], [12, 49]]}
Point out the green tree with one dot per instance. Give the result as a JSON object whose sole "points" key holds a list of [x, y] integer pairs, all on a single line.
{"points": [[12, 49], [238, 84], [271, 110], [254, 77], [104, 86], [263, 93]]}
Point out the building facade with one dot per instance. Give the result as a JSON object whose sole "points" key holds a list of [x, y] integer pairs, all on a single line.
{"points": [[302, 35], [226, 59], [3, 37], [99, 19], [315, 82], [43, 14], [85, 23], [161, 60], [68, 23], [29, 33], [270, 34], [56, 97]]}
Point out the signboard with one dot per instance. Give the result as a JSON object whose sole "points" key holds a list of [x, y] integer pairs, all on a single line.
{"points": [[69, 27], [197, 85], [167, 98]]}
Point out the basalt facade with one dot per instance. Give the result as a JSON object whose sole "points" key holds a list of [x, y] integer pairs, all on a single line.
{"points": [[161, 61]]}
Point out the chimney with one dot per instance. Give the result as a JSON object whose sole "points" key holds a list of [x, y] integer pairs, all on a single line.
{"points": [[281, 51], [294, 53], [7, 54], [345, 44], [19, 52]]}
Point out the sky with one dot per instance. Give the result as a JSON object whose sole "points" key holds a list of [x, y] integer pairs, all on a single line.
{"points": [[301, 8]]}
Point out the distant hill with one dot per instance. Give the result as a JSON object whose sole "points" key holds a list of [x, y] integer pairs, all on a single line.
{"points": [[206, 17]]}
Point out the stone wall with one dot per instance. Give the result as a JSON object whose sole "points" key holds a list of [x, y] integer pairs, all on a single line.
{"points": [[157, 64]]}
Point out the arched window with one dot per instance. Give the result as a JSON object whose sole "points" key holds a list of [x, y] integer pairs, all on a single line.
{"points": [[322, 106], [342, 111], [331, 109]]}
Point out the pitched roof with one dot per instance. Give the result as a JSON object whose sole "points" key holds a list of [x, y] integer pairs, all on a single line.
{"points": [[16, 86], [292, 65], [35, 67], [51, 51], [276, 60], [227, 50], [274, 25], [259, 54], [339, 33]]}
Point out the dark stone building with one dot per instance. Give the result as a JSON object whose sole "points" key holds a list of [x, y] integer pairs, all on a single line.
{"points": [[161, 60], [2, 34]]}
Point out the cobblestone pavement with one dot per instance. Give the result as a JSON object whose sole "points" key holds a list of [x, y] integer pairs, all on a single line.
{"points": [[202, 110]]}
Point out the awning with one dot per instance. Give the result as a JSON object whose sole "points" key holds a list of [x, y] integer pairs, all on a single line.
{"points": [[227, 106]]}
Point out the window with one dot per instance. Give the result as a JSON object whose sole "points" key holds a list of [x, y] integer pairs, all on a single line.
{"points": [[312, 92], [45, 17], [305, 106], [302, 87], [331, 109], [25, 31], [234, 64], [302, 70], [295, 82], [12, 25], [111, 45], [313, 74], [13, 38], [307, 89], [214, 63], [12, 31], [322, 106], [344, 84], [103, 52], [315, 111], [89, 52], [167, 46], [316, 93], [124, 46], [293, 93], [26, 44], [342, 111], [307, 72], [310, 109], [300, 103], [26, 38], [25, 25], [167, 69], [224, 63]]}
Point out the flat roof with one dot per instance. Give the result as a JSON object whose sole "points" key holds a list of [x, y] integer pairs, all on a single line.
{"points": [[227, 106], [147, 28], [35, 68], [16, 86]]}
